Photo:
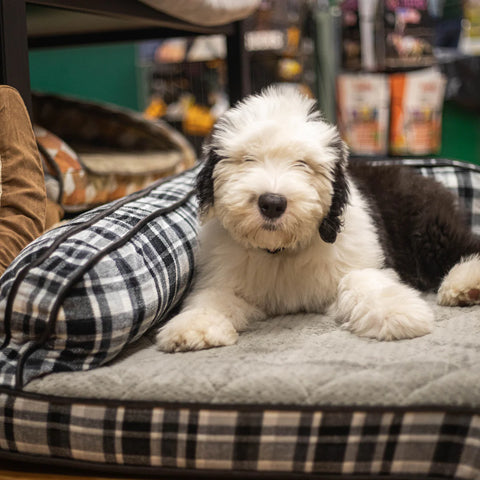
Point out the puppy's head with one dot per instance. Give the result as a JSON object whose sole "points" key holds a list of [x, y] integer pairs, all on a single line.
{"points": [[274, 172]]}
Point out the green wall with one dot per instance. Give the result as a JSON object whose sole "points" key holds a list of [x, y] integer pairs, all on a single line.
{"points": [[105, 72], [460, 134]]}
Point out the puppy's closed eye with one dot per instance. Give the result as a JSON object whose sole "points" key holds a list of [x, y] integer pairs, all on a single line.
{"points": [[302, 165]]}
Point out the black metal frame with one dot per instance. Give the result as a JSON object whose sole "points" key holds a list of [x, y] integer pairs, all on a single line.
{"points": [[14, 69], [15, 40]]}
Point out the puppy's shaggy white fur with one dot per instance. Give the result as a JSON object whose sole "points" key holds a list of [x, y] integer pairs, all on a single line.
{"points": [[287, 229]]}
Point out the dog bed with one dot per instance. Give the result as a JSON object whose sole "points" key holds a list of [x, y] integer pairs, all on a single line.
{"points": [[83, 384], [104, 151], [206, 12]]}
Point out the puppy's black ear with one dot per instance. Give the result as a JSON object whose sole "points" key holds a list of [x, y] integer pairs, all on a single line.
{"points": [[205, 191], [332, 223]]}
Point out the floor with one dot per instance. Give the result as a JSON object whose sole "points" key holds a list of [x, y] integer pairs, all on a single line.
{"points": [[23, 471], [12, 475]]}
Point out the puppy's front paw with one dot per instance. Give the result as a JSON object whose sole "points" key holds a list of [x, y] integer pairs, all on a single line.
{"points": [[391, 322], [196, 330], [461, 287], [374, 304]]}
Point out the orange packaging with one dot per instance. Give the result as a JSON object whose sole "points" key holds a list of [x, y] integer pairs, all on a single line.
{"points": [[416, 112], [363, 112]]}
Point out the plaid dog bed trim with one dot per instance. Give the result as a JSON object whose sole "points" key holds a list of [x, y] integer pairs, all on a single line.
{"points": [[77, 275], [101, 213], [422, 162], [61, 267], [315, 440]]}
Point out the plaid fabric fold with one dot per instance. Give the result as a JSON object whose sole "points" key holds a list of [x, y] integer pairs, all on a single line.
{"points": [[387, 442], [75, 297]]}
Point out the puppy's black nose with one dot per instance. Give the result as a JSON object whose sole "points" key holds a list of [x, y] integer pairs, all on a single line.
{"points": [[272, 205]]}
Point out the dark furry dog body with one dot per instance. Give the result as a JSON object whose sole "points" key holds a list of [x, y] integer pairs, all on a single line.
{"points": [[423, 230]]}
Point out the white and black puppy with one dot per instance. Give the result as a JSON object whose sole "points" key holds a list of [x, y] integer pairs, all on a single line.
{"points": [[289, 227]]}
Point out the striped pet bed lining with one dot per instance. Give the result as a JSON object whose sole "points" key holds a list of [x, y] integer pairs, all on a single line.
{"points": [[380, 442]]}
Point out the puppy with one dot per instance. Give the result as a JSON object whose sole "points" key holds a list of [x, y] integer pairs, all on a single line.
{"points": [[289, 226]]}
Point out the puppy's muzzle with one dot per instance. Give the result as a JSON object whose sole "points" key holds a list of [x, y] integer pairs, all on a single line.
{"points": [[272, 205]]}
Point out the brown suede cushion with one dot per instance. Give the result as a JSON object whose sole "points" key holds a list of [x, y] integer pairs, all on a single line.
{"points": [[22, 184]]}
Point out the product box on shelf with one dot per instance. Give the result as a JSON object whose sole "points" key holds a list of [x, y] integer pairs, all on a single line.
{"points": [[363, 112], [386, 35], [416, 112], [407, 30]]}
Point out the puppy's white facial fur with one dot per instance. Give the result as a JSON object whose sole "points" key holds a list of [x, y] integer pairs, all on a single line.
{"points": [[273, 144], [297, 280]]}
